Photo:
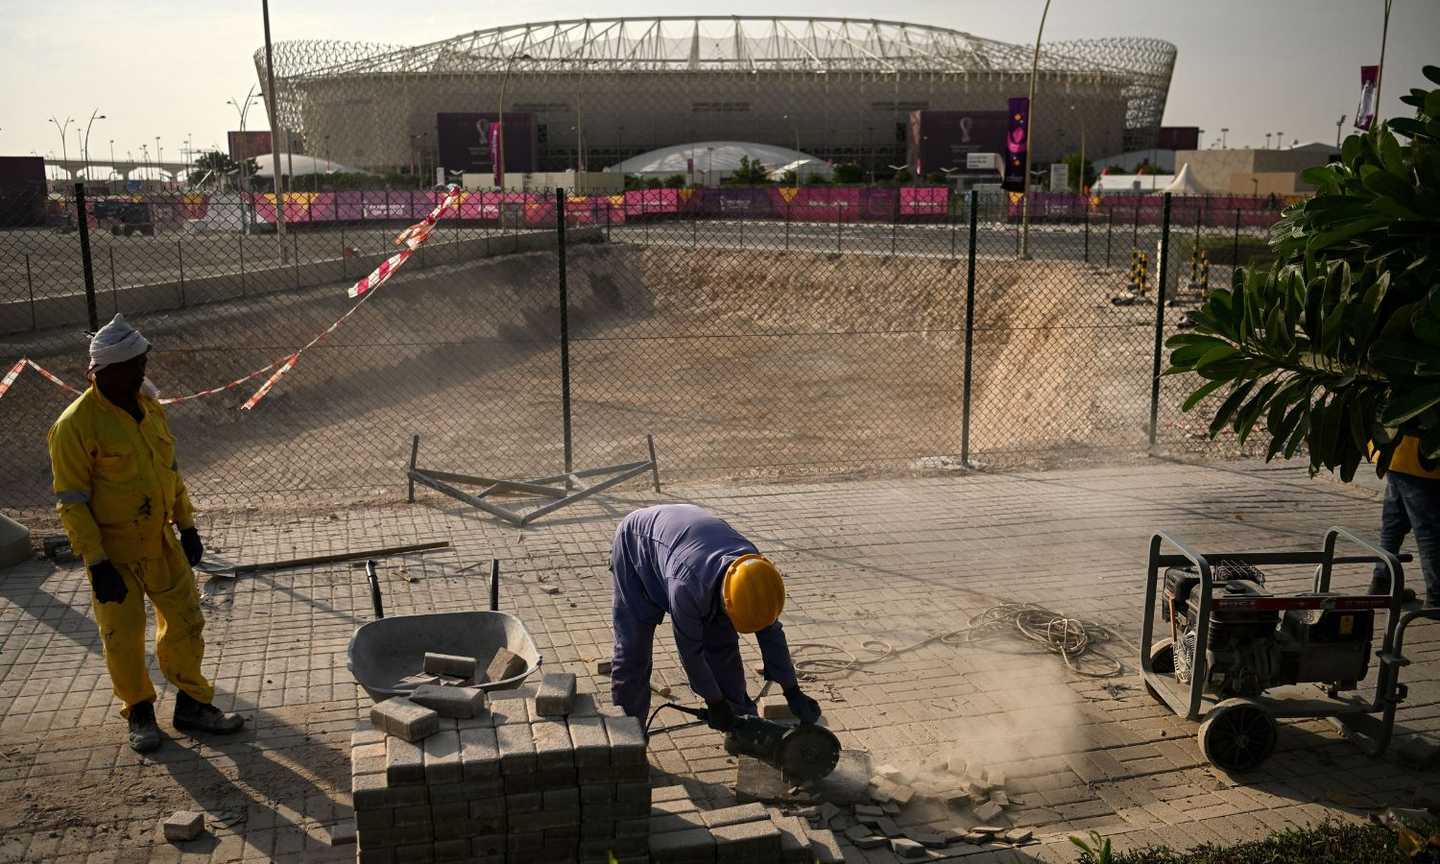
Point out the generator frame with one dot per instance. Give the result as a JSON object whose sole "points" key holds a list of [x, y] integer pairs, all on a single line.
{"points": [[1370, 723]]}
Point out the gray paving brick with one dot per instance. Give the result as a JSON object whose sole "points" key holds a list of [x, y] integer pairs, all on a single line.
{"points": [[369, 791], [553, 749], [404, 719], [759, 840], [449, 664], [825, 846], [627, 741], [696, 845], [592, 745], [562, 799], [479, 754], [556, 696], [735, 815], [517, 748], [452, 702], [418, 853], [442, 758], [504, 664], [452, 850], [663, 823], [404, 762], [524, 802]]}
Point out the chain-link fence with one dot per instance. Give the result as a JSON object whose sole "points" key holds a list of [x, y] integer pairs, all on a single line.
{"points": [[755, 332]]}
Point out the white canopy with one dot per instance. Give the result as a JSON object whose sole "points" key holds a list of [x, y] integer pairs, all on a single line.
{"points": [[1119, 184], [299, 165], [1183, 184], [716, 159]]}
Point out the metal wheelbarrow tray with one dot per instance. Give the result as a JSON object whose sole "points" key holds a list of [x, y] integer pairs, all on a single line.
{"points": [[386, 650]]}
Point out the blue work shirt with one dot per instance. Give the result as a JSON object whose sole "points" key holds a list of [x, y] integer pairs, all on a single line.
{"points": [[676, 556]]}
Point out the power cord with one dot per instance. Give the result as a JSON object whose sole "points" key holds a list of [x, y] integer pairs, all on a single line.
{"points": [[1074, 639]]}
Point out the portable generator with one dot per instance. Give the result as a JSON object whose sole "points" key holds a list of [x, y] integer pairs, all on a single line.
{"points": [[1239, 655]]}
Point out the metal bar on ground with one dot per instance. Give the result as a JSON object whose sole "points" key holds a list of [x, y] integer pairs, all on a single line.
{"points": [[339, 556], [533, 487], [474, 501], [585, 493]]}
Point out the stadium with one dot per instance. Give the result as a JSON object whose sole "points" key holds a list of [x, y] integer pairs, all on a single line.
{"points": [[590, 93]]}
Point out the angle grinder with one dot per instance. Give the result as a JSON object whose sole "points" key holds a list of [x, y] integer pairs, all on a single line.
{"points": [[802, 754]]}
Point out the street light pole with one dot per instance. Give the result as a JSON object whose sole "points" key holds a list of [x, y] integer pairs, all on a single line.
{"points": [[1030, 139], [1224, 137], [64, 150], [270, 95], [94, 115]]}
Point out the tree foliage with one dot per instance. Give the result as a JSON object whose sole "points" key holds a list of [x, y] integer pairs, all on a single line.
{"points": [[217, 163], [1336, 345], [750, 172]]}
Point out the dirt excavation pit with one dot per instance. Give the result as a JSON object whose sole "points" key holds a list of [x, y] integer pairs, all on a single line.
{"points": [[743, 364]]}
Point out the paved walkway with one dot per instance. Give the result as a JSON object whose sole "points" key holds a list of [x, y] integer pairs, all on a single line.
{"points": [[896, 560]]}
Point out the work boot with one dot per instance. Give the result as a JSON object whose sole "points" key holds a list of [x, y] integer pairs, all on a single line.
{"points": [[201, 717], [144, 734]]}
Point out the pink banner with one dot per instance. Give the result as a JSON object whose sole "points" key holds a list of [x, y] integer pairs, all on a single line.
{"points": [[924, 201]]}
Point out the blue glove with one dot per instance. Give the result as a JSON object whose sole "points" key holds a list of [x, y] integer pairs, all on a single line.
{"points": [[802, 706]]}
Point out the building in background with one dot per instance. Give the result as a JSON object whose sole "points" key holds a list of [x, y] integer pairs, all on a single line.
{"points": [[587, 94], [1253, 171]]}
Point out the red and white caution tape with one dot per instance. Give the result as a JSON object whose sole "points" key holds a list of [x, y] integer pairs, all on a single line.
{"points": [[411, 238], [12, 375]]}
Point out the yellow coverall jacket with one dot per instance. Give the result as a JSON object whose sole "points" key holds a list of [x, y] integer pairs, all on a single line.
{"points": [[119, 490]]}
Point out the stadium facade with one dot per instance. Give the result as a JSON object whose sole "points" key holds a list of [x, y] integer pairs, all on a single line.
{"points": [[589, 93]]}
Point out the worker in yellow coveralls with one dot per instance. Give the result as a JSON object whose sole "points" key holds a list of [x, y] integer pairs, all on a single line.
{"points": [[119, 492]]}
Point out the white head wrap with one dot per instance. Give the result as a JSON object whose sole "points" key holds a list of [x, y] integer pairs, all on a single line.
{"points": [[116, 342]]}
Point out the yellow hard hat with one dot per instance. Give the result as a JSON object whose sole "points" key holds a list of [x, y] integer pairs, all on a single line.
{"points": [[754, 593]]}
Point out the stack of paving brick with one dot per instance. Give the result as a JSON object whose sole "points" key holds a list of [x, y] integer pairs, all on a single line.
{"points": [[535, 777], [680, 833]]}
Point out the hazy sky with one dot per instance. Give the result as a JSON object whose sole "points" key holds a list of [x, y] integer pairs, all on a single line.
{"points": [[166, 67]]}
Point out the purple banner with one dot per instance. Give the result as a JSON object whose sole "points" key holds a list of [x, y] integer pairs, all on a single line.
{"points": [[1365, 111], [1017, 142]]}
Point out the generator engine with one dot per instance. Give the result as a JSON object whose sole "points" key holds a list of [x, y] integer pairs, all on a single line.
{"points": [[1254, 646]]}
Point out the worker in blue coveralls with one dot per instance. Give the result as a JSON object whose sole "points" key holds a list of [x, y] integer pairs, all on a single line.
{"points": [[685, 561]]}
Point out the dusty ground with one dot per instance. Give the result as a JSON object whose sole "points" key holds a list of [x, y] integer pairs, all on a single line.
{"points": [[742, 364], [898, 560]]}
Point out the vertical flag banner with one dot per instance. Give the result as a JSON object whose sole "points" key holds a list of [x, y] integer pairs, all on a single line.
{"points": [[1365, 111], [1017, 141], [495, 146]]}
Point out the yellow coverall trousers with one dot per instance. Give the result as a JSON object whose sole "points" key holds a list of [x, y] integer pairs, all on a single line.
{"points": [[179, 647]]}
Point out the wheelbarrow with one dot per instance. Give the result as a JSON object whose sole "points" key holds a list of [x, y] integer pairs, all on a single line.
{"points": [[385, 650]]}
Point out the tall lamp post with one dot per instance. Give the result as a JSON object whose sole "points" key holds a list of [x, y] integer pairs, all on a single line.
{"points": [[64, 149], [1224, 137], [1030, 139], [500, 112], [94, 115], [243, 108]]}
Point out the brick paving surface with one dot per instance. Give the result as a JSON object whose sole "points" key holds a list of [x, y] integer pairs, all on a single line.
{"points": [[894, 560]]}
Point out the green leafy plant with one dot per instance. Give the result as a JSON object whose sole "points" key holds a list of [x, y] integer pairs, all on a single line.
{"points": [[1094, 850], [1335, 347]]}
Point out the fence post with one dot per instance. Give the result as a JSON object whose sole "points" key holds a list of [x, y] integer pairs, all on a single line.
{"points": [[242, 264], [1159, 319], [295, 245], [1109, 229], [344, 254], [30, 289], [1087, 233], [564, 332], [893, 220], [180, 259], [839, 227], [741, 222], [1235, 244], [114, 291], [787, 227], [952, 233], [83, 225], [969, 336], [1135, 232]]}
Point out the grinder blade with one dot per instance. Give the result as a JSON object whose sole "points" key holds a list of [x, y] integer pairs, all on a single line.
{"points": [[808, 753]]}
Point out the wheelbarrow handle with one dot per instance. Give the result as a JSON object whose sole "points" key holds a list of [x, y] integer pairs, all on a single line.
{"points": [[494, 584], [374, 579]]}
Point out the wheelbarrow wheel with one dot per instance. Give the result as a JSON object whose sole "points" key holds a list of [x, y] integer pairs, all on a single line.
{"points": [[1162, 662], [1237, 735]]}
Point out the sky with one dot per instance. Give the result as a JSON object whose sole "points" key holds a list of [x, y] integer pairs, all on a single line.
{"points": [[166, 68]]}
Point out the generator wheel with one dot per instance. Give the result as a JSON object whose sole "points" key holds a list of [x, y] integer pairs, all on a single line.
{"points": [[1237, 735], [1162, 661]]}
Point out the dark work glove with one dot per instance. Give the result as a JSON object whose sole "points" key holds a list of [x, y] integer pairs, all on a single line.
{"points": [[720, 717], [807, 710], [107, 582], [190, 542]]}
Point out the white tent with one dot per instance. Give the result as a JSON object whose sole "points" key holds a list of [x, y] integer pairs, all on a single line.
{"points": [[299, 165], [714, 160], [1122, 184], [1183, 184]]}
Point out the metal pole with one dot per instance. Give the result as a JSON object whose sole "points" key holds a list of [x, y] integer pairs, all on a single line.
{"points": [[1029, 139], [494, 584], [180, 259], [787, 227], [839, 228], [1087, 233], [564, 332], [1159, 320], [1380, 72], [84, 226], [1235, 244], [969, 336], [114, 292], [241, 238], [271, 103], [30, 289], [1135, 231], [1109, 229]]}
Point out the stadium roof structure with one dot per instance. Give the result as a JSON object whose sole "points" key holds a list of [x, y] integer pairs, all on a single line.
{"points": [[729, 43]]}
